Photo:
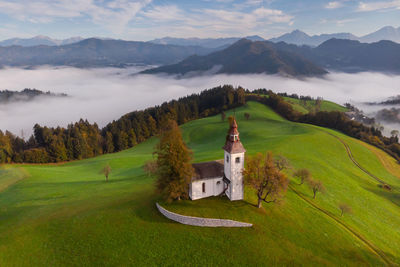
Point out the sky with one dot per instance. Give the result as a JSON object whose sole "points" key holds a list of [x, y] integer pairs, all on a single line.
{"points": [[144, 20]]}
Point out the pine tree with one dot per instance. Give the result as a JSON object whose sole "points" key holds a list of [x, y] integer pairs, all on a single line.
{"points": [[174, 169]]}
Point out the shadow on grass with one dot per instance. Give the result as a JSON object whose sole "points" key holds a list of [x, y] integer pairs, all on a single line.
{"points": [[393, 196]]}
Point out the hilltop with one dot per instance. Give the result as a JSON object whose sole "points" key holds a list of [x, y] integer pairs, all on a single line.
{"points": [[243, 57], [66, 214]]}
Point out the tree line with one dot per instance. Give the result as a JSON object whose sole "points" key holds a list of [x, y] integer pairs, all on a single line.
{"points": [[84, 140]]}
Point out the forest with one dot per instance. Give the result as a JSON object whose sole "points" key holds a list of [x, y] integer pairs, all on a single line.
{"points": [[84, 140]]}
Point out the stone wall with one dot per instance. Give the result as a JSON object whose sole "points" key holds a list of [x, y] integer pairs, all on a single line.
{"points": [[197, 221]]}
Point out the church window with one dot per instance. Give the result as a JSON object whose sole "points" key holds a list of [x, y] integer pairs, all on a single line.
{"points": [[238, 160], [204, 187], [227, 158], [219, 182]]}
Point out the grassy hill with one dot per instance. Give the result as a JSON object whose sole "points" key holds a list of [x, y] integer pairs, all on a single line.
{"points": [[68, 215], [310, 105]]}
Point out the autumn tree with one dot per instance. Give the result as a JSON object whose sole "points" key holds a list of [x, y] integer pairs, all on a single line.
{"points": [[247, 116], [303, 174], [316, 186], [262, 174], [344, 208], [174, 169], [106, 171]]}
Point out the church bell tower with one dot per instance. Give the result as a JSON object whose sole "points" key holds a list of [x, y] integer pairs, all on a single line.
{"points": [[234, 163]]}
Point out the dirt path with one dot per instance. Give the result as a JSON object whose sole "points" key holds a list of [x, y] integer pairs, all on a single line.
{"points": [[366, 242]]}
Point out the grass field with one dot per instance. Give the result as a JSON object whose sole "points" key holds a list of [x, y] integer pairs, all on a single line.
{"points": [[309, 105], [67, 215]]}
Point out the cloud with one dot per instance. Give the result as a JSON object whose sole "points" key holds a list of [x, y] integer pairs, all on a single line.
{"points": [[209, 22], [334, 5], [373, 6], [102, 95], [113, 15]]}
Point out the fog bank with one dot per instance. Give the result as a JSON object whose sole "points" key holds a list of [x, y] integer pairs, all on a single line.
{"points": [[102, 95]]}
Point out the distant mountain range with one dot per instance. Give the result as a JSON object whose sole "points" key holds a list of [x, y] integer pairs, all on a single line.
{"points": [[243, 57], [39, 40], [98, 53], [246, 56], [295, 37], [298, 37], [207, 42]]}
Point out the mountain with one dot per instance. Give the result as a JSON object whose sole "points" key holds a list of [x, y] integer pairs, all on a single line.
{"points": [[353, 56], [244, 56], [386, 33], [298, 37], [98, 53], [39, 40], [207, 42]]}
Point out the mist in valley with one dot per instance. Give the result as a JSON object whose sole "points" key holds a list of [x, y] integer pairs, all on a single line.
{"points": [[102, 95]]}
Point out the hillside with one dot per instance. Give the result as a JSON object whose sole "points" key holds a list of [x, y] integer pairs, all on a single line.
{"points": [[67, 215], [97, 53], [243, 57]]}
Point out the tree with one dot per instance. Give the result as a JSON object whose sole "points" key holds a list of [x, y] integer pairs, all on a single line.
{"points": [[223, 116], [247, 115], [303, 174], [150, 167], [106, 171], [282, 163], [394, 133], [344, 208], [174, 169], [316, 186], [262, 174]]}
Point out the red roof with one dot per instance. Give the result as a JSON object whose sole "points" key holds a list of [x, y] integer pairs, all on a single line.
{"points": [[232, 144]]}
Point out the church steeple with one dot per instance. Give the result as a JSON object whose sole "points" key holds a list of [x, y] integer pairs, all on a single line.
{"points": [[233, 144]]}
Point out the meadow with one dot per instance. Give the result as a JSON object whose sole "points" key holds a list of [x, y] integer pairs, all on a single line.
{"points": [[67, 215]]}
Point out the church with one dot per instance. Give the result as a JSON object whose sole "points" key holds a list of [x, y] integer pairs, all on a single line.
{"points": [[221, 177]]}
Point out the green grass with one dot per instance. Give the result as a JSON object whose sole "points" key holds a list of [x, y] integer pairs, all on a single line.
{"points": [[67, 215], [310, 105]]}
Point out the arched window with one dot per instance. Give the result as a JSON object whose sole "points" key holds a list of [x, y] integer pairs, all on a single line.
{"points": [[204, 187], [227, 158]]}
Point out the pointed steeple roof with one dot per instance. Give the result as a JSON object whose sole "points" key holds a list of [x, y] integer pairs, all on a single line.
{"points": [[233, 144]]}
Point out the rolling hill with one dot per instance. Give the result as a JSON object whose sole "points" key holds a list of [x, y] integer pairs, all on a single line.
{"points": [[67, 214], [243, 57]]}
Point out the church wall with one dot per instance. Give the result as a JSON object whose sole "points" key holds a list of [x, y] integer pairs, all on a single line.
{"points": [[235, 176], [213, 188]]}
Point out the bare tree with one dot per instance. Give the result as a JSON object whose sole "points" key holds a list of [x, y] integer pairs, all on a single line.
{"points": [[247, 116], [303, 174], [223, 116], [262, 175], [394, 133], [106, 171], [316, 186], [344, 208], [282, 163], [150, 167]]}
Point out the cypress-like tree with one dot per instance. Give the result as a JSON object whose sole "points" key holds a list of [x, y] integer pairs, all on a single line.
{"points": [[174, 169]]}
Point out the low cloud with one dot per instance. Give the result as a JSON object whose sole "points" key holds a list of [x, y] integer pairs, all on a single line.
{"points": [[102, 95]]}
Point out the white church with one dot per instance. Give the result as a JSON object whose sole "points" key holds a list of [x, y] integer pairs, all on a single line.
{"points": [[220, 177]]}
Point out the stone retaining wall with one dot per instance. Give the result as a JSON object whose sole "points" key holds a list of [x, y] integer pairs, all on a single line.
{"points": [[197, 221]]}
